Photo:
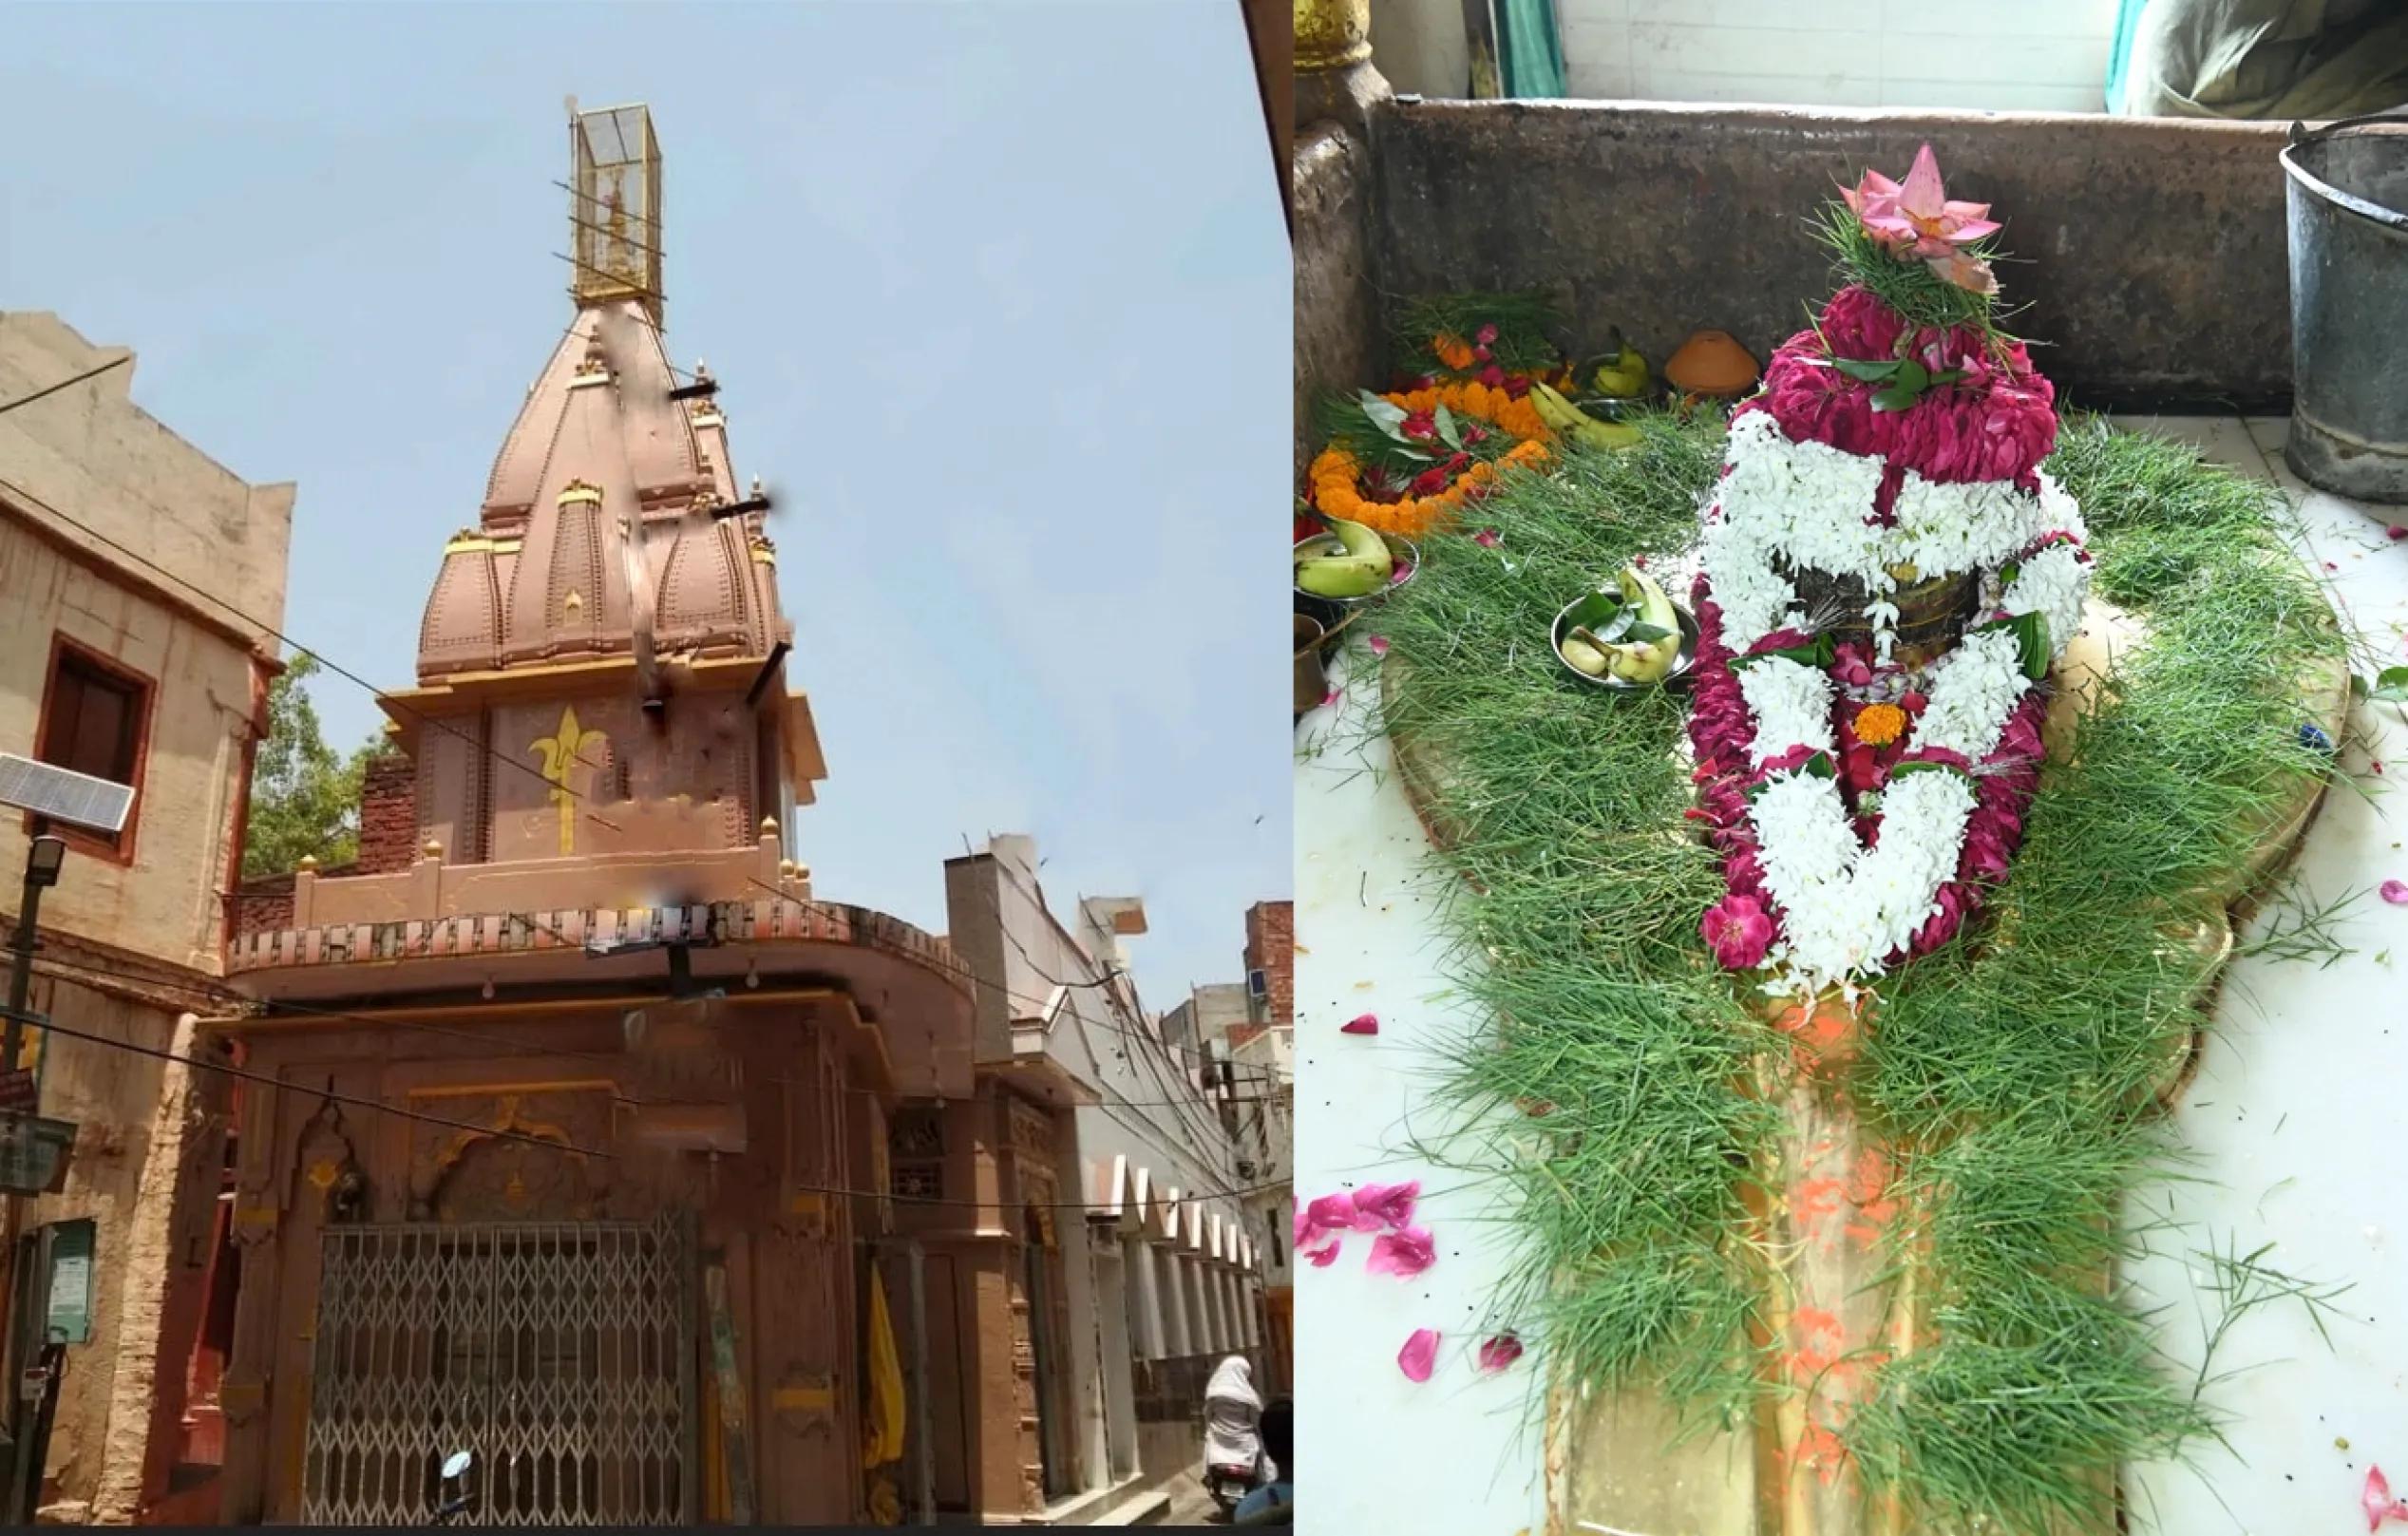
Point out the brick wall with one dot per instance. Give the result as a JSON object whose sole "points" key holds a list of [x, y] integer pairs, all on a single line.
{"points": [[388, 815], [261, 906], [1271, 949]]}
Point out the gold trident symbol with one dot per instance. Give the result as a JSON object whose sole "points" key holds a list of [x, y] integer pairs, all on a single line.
{"points": [[561, 754]]}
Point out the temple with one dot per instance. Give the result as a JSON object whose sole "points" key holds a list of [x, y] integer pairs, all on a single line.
{"points": [[568, 1131]]}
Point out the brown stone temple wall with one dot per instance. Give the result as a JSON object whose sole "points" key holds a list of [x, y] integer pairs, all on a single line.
{"points": [[765, 1214]]}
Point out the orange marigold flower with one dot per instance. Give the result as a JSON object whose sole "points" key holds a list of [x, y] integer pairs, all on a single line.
{"points": [[1453, 350], [1878, 725]]}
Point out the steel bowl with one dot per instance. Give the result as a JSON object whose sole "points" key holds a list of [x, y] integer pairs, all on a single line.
{"points": [[1595, 608], [1403, 550]]}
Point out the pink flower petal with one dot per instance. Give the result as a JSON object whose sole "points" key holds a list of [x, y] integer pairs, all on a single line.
{"points": [[1402, 1253], [2375, 1498], [1921, 194], [1329, 698], [1500, 1352], [1486, 539], [2396, 892], [1362, 1024], [1379, 645], [1327, 1215], [1378, 1206], [1321, 1257], [1420, 1354], [1397, 576], [2396, 533]]}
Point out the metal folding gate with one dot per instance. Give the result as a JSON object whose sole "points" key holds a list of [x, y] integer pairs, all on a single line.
{"points": [[560, 1354]]}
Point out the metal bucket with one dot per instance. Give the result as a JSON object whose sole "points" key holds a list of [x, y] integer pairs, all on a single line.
{"points": [[2347, 195]]}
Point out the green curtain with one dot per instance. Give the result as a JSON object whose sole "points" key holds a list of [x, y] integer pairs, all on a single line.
{"points": [[2119, 56], [1530, 48]]}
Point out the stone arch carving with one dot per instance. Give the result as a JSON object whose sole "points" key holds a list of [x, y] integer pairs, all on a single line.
{"points": [[507, 1172]]}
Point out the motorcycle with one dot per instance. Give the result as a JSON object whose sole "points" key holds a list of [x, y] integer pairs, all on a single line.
{"points": [[1228, 1483], [452, 1498]]}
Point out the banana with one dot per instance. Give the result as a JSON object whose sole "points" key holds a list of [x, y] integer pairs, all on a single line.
{"points": [[1584, 653], [1572, 422], [1361, 570], [1647, 661], [1625, 376]]}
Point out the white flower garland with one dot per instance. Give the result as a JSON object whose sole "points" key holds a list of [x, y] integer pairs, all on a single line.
{"points": [[1974, 689], [2054, 583], [1846, 909], [1791, 703]]}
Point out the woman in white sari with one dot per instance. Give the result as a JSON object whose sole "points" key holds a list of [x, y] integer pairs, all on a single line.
{"points": [[1233, 1420]]}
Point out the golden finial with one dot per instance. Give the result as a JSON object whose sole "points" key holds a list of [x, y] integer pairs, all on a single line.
{"points": [[769, 826], [309, 861], [786, 867], [433, 848]]}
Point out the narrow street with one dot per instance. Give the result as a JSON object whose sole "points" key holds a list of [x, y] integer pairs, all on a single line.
{"points": [[1191, 1506]]}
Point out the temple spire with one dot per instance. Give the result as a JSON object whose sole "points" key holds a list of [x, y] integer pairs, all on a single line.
{"points": [[614, 206]]}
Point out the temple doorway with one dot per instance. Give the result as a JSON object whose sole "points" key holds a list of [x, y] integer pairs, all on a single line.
{"points": [[560, 1354]]}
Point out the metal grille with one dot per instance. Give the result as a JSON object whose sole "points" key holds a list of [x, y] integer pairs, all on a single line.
{"points": [[560, 1354]]}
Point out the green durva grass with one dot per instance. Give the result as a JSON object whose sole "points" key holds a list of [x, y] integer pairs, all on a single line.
{"points": [[2014, 1071]]}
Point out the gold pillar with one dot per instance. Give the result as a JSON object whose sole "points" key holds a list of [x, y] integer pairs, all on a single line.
{"points": [[1331, 34]]}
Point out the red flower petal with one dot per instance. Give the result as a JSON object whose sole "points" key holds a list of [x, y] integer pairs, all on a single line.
{"points": [[2396, 892], [1419, 1356], [1500, 1352], [1329, 698], [1361, 1024], [1486, 539], [1402, 1253], [1379, 645], [1321, 1257], [2396, 534], [1378, 1206]]}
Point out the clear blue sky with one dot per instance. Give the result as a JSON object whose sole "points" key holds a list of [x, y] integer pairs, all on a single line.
{"points": [[998, 294]]}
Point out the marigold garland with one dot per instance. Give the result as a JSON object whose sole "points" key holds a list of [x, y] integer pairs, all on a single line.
{"points": [[1336, 477]]}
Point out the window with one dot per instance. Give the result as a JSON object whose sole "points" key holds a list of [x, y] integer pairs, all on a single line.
{"points": [[92, 723]]}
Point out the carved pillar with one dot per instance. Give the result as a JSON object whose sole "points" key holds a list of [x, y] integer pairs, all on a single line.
{"points": [[1334, 79]]}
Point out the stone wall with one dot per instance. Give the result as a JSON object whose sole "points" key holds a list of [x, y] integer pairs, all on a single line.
{"points": [[1337, 320], [2150, 255]]}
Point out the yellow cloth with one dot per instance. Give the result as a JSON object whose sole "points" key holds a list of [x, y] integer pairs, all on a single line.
{"points": [[883, 1425], [885, 1505]]}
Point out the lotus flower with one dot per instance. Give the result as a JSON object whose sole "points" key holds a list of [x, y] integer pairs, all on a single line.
{"points": [[1915, 222]]}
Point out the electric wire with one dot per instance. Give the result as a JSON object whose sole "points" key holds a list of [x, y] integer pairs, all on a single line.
{"points": [[48, 390]]}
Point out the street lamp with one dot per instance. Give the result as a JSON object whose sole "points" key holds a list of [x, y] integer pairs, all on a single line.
{"points": [[41, 862]]}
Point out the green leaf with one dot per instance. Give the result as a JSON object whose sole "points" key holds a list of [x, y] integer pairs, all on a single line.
{"points": [[1896, 397], [2391, 686], [1641, 634], [1385, 414], [1447, 430], [1857, 368], [1912, 376]]}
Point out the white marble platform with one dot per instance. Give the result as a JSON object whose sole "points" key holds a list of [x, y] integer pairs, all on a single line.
{"points": [[2295, 1117]]}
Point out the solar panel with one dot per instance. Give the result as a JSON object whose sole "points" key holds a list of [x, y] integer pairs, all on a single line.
{"points": [[63, 795]]}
